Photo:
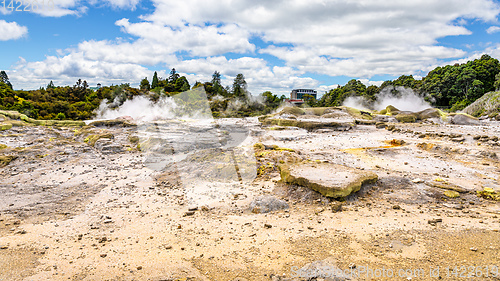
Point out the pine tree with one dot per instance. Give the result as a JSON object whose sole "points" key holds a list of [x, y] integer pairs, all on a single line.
{"points": [[51, 85], [240, 86], [173, 76], [5, 79], [154, 82], [216, 84]]}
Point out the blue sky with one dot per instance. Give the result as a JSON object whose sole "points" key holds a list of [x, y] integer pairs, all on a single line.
{"points": [[278, 45]]}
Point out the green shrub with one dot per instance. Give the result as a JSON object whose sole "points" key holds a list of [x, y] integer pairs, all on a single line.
{"points": [[460, 105], [60, 116]]}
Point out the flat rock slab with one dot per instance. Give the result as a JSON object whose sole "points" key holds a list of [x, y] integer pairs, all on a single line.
{"points": [[331, 180], [311, 124]]}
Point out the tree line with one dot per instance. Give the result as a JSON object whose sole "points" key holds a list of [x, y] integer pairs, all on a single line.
{"points": [[79, 102], [454, 86]]}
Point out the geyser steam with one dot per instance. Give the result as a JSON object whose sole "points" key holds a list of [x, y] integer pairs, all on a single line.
{"points": [[400, 97], [192, 104]]}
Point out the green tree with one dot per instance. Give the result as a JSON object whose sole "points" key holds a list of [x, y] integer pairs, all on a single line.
{"points": [[182, 84], [371, 92], [240, 87], [197, 84], [453, 84], [173, 76], [216, 83], [60, 116], [154, 82], [336, 97], [406, 81], [4, 78], [51, 85], [271, 100], [145, 84], [497, 82]]}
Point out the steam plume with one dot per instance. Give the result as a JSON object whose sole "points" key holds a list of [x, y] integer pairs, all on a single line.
{"points": [[400, 97]]}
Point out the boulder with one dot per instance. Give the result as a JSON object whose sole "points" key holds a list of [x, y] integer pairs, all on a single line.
{"points": [[105, 146], [451, 194], [92, 139], [6, 159], [489, 193], [133, 139], [5, 126], [390, 110], [464, 119], [428, 114], [331, 180], [380, 125], [358, 114], [406, 118]]}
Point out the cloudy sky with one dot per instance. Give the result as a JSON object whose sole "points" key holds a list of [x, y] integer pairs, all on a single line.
{"points": [[278, 45]]}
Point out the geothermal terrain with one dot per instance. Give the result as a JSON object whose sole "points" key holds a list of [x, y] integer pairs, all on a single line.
{"points": [[304, 194]]}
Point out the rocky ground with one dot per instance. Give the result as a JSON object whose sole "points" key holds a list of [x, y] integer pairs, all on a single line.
{"points": [[177, 200]]}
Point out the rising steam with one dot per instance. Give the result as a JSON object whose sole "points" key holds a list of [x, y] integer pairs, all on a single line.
{"points": [[192, 104], [400, 97]]}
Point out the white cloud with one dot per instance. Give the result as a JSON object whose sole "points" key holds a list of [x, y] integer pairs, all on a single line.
{"points": [[360, 39], [493, 51], [493, 29], [197, 40], [116, 4], [60, 8], [368, 82], [66, 70], [259, 75], [123, 3], [11, 30]]}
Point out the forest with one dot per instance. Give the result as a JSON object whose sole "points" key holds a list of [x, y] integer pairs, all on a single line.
{"points": [[451, 86]]}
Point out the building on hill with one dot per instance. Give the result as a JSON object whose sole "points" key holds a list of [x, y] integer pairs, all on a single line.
{"points": [[96, 88], [299, 96]]}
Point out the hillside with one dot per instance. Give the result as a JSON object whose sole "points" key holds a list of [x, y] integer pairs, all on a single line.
{"points": [[487, 105]]}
